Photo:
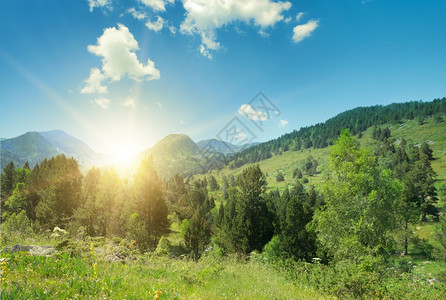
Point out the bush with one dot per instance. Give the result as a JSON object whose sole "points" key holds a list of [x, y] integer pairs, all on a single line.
{"points": [[440, 249], [164, 246], [280, 177], [273, 250], [17, 226], [136, 230]]}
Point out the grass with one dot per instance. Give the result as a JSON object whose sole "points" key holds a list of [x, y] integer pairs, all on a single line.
{"points": [[72, 274], [139, 277], [122, 272]]}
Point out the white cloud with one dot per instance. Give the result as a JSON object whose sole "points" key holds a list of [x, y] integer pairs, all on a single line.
{"points": [[263, 33], [287, 20], [160, 106], [283, 123], [137, 14], [128, 102], [240, 135], [251, 113], [303, 31], [102, 102], [182, 122], [172, 29], [157, 25], [99, 3], [157, 5], [299, 16], [94, 83], [204, 17], [116, 47]]}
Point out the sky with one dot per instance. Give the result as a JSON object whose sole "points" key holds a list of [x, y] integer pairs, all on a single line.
{"points": [[121, 75]]}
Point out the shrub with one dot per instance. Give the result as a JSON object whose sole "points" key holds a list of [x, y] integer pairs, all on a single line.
{"points": [[274, 249], [280, 177], [17, 225]]}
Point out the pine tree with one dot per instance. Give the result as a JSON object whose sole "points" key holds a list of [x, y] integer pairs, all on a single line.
{"points": [[213, 184], [8, 180], [197, 236], [149, 201], [424, 148]]}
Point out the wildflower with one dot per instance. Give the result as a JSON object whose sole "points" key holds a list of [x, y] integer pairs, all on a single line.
{"points": [[3, 272], [158, 294], [95, 268], [132, 244], [91, 249]]}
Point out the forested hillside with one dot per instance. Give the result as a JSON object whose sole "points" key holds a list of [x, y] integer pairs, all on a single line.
{"points": [[361, 218], [324, 134]]}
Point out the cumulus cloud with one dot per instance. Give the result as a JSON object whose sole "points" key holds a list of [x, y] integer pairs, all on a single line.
{"points": [[303, 31], [139, 15], [102, 102], [99, 3], [116, 47], [283, 123], [157, 5], [94, 83], [157, 25], [251, 113], [204, 17], [128, 102]]}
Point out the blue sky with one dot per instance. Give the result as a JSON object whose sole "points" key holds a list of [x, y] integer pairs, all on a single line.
{"points": [[123, 74]]}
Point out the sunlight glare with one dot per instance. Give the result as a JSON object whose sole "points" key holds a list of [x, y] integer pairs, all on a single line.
{"points": [[123, 153]]}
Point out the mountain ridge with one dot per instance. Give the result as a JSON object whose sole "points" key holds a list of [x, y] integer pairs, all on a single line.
{"points": [[178, 153]]}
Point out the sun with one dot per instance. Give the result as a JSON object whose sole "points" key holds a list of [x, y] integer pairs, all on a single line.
{"points": [[123, 153]]}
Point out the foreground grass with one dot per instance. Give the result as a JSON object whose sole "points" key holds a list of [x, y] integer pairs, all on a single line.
{"points": [[98, 268], [62, 276]]}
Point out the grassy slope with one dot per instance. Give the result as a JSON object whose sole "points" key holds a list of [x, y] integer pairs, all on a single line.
{"points": [[140, 276], [431, 132]]}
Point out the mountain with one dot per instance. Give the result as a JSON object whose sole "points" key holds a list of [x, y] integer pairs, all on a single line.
{"points": [[175, 145], [357, 120], [34, 147], [72, 147], [223, 147], [432, 131], [176, 153], [31, 147]]}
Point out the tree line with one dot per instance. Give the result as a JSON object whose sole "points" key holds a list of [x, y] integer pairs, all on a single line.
{"points": [[54, 193], [363, 208]]}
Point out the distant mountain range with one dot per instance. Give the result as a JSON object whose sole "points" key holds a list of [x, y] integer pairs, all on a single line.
{"points": [[223, 147], [34, 147], [176, 153]]}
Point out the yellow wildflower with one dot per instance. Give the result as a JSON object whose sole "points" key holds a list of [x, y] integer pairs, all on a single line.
{"points": [[158, 294], [4, 271], [91, 249], [95, 268]]}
